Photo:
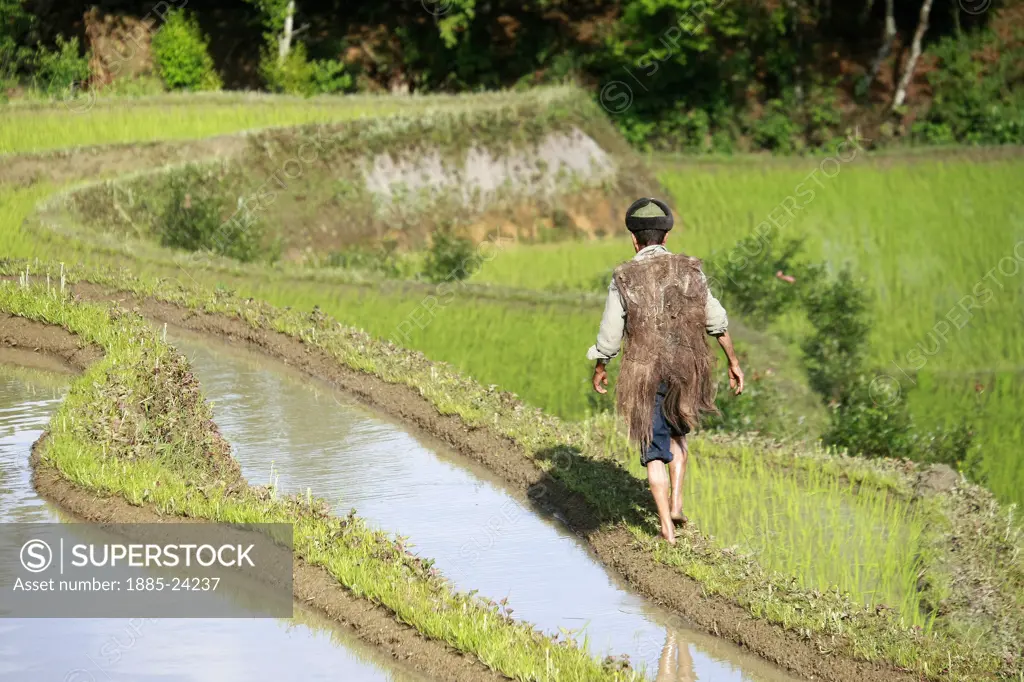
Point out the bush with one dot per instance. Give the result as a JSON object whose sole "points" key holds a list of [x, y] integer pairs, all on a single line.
{"points": [[775, 129], [330, 77], [761, 409], [834, 354], [14, 24], [182, 56], [194, 218], [869, 414], [977, 101], [450, 257], [297, 75], [744, 278], [871, 420], [58, 72]]}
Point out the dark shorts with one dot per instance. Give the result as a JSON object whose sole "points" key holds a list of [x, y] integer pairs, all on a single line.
{"points": [[663, 435]]}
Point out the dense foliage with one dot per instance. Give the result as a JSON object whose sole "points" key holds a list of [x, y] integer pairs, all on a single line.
{"points": [[181, 55], [868, 410], [451, 257], [14, 25], [296, 74], [688, 75], [60, 70], [194, 218], [977, 100]]}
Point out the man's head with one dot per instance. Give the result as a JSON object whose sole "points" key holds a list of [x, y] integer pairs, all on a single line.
{"points": [[649, 220]]}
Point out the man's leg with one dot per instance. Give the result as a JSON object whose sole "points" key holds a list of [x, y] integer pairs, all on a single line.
{"points": [[658, 479], [677, 469], [656, 459]]}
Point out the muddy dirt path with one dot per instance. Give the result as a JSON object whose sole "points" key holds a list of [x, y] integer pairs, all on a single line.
{"points": [[483, 535], [32, 385]]}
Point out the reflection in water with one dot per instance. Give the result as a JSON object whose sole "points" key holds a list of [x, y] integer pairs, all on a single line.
{"points": [[482, 536], [675, 664], [307, 647], [27, 399]]}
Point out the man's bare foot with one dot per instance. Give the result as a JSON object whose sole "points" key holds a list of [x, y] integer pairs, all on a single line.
{"points": [[669, 534], [680, 518]]}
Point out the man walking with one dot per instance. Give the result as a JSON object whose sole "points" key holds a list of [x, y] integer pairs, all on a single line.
{"points": [[660, 302]]}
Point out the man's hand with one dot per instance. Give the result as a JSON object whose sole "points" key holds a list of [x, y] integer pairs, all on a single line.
{"points": [[600, 378], [735, 378], [735, 373]]}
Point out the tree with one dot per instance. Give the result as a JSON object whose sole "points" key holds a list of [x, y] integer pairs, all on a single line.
{"points": [[14, 23], [888, 38], [278, 19], [915, 54]]}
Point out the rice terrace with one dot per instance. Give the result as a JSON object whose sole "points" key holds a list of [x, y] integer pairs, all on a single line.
{"points": [[321, 281]]}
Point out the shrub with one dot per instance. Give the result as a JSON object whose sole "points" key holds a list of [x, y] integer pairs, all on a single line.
{"points": [[871, 419], [14, 23], [298, 75], [977, 101], [182, 56], [450, 257], [58, 72], [762, 408], [775, 129], [869, 414], [193, 219], [744, 278], [950, 445], [330, 77], [835, 352], [293, 76]]}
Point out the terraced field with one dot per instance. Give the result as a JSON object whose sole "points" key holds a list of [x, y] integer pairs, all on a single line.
{"points": [[826, 566]]}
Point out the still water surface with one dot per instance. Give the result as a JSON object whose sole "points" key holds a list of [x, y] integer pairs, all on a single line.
{"points": [[307, 647], [307, 435]]}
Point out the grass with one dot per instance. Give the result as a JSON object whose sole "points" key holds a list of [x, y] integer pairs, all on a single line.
{"points": [[162, 434], [42, 127], [38, 127], [964, 642]]}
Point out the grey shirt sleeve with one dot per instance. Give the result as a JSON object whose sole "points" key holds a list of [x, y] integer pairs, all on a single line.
{"points": [[613, 323], [716, 322]]}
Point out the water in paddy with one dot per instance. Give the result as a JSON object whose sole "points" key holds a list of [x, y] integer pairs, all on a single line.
{"points": [[137, 650], [482, 536]]}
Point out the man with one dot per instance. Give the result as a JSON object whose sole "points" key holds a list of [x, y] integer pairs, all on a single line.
{"points": [[660, 302]]}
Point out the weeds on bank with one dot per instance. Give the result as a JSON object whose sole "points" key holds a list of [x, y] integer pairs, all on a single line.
{"points": [[136, 425]]}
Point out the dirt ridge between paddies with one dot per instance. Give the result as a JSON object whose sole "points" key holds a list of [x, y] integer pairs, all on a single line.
{"points": [[138, 406], [824, 635]]}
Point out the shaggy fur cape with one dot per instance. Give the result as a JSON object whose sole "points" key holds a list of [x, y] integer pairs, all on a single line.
{"points": [[665, 343]]}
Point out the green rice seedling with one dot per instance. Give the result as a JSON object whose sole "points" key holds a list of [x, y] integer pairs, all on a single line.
{"points": [[826, 531]]}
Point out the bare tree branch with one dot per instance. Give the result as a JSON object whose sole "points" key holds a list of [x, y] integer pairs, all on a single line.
{"points": [[915, 54], [888, 38], [284, 44]]}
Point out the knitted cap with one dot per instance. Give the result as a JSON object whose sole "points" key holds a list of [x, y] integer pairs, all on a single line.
{"points": [[649, 214]]}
